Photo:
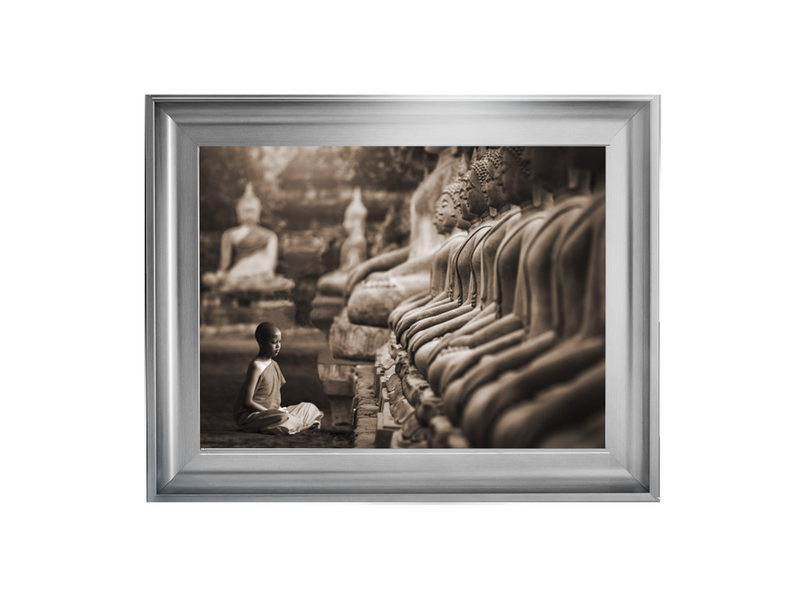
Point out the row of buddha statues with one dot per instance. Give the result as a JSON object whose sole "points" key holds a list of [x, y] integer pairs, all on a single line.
{"points": [[497, 307]]}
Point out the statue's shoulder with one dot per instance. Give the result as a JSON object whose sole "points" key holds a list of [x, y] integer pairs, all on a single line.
{"points": [[264, 233]]}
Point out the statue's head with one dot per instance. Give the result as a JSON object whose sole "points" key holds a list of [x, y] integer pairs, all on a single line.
{"points": [[491, 174], [513, 166], [438, 213], [473, 201], [548, 167], [354, 218], [589, 159], [449, 205], [249, 207]]}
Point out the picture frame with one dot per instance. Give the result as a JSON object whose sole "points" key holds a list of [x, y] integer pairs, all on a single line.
{"points": [[179, 470]]}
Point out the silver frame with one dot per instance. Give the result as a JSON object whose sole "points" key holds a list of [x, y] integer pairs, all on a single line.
{"points": [[179, 470]]}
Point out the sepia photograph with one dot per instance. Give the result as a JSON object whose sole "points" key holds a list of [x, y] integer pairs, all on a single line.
{"points": [[402, 297]]}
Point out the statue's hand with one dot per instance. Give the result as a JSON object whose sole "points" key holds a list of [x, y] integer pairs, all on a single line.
{"points": [[213, 279], [384, 261], [356, 275]]}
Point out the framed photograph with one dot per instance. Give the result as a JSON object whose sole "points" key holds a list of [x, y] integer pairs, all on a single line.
{"points": [[402, 298]]}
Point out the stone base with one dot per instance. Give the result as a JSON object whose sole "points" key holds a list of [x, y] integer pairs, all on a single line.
{"points": [[325, 309], [355, 342], [443, 434], [339, 380], [276, 286], [418, 410], [247, 307], [386, 424], [333, 283], [365, 409]]}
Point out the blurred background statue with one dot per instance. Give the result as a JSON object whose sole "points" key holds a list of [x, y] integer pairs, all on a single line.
{"points": [[353, 250], [249, 253], [377, 286]]}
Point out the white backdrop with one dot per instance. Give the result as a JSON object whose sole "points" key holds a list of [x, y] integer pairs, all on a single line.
{"points": [[76, 523]]}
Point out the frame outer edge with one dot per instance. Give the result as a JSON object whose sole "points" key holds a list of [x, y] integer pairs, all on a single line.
{"points": [[655, 147], [625, 497], [150, 302], [152, 355], [592, 98]]}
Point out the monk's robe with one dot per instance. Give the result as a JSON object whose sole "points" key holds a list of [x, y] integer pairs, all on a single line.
{"points": [[277, 420]]}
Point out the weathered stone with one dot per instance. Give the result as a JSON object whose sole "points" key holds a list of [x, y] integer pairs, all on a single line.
{"points": [[383, 358], [364, 440], [355, 342], [325, 309], [443, 434], [386, 425], [412, 429], [429, 406], [365, 408], [392, 385], [398, 440], [338, 378], [400, 409], [413, 388], [456, 439], [378, 374]]}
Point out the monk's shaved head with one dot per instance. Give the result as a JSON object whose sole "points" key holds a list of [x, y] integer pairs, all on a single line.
{"points": [[265, 331]]}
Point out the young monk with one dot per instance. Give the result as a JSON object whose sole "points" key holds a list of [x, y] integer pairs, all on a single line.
{"points": [[258, 405]]}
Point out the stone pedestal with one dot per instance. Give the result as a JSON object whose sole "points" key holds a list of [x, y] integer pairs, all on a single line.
{"points": [[221, 308], [365, 409], [386, 425], [443, 434], [355, 342], [339, 381], [325, 309]]}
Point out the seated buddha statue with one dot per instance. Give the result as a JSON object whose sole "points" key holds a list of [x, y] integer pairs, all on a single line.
{"points": [[547, 168], [528, 330], [454, 354], [567, 415], [249, 253], [377, 286], [353, 250], [567, 383], [448, 222], [507, 187], [458, 299]]}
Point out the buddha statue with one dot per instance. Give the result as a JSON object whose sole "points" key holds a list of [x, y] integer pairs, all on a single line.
{"points": [[353, 250], [530, 329], [377, 286], [545, 169], [249, 253], [448, 222], [507, 188], [493, 415], [465, 274], [567, 415]]}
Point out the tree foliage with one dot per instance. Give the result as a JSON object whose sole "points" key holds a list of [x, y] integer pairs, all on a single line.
{"points": [[390, 168], [224, 173]]}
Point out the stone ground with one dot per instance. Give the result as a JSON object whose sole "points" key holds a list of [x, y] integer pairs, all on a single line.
{"points": [[224, 360]]}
